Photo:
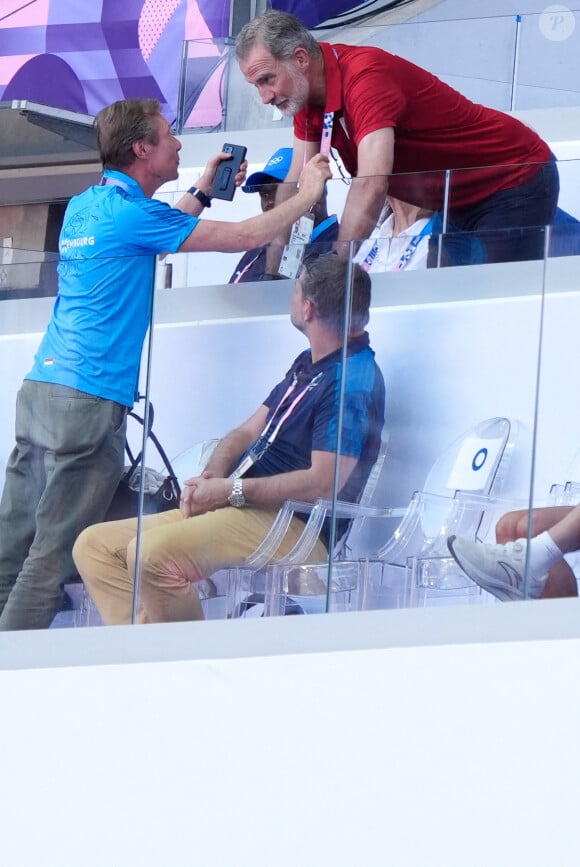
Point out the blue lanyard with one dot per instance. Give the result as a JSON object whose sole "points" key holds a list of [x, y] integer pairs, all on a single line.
{"points": [[408, 252], [414, 243]]}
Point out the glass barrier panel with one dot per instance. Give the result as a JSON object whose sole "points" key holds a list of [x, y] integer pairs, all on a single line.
{"points": [[460, 364], [556, 489], [244, 376], [27, 273], [73, 372], [203, 85], [480, 65], [435, 231], [214, 95], [458, 351], [507, 62], [547, 70], [457, 436]]}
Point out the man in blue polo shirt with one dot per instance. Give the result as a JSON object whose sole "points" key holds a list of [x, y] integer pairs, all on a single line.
{"points": [[286, 450], [71, 408], [252, 265]]}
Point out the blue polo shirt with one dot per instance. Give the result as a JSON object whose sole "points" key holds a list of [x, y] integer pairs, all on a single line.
{"points": [[313, 424], [108, 243]]}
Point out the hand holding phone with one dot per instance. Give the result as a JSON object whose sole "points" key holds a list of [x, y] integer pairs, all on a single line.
{"points": [[224, 185]]}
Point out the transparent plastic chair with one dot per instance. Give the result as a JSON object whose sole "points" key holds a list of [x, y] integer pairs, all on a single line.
{"points": [[414, 566], [459, 497], [568, 494], [192, 461], [288, 586]]}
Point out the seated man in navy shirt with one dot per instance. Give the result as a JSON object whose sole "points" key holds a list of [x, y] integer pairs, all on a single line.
{"points": [[252, 265], [286, 450]]}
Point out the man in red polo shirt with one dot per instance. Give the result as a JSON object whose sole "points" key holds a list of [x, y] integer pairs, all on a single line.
{"points": [[386, 118]]}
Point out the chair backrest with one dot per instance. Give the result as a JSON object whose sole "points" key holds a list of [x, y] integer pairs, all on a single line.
{"points": [[192, 461], [375, 473], [472, 464], [472, 461], [476, 463], [567, 493], [343, 547]]}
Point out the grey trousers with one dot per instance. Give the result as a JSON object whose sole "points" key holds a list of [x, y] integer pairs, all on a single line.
{"points": [[60, 478]]}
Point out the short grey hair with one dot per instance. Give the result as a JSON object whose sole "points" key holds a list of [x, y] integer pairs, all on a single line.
{"points": [[324, 282], [279, 32]]}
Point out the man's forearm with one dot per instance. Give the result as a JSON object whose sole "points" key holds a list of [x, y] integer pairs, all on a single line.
{"points": [[271, 491], [362, 209], [266, 493], [189, 203], [227, 454]]}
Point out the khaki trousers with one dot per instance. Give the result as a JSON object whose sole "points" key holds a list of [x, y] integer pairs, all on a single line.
{"points": [[175, 553]]}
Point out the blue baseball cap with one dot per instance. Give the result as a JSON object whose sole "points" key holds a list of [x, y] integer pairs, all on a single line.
{"points": [[275, 170]]}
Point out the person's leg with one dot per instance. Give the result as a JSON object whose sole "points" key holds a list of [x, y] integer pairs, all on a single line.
{"points": [[82, 439], [561, 580], [100, 555], [514, 525], [176, 555], [23, 487], [515, 568]]}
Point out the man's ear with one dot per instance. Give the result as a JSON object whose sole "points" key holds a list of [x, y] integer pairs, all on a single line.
{"points": [[309, 309], [301, 59], [140, 148]]}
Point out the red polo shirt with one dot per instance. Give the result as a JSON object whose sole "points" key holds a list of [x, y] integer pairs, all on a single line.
{"points": [[436, 128]]}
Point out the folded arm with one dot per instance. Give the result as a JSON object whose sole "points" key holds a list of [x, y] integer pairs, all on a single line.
{"points": [[271, 491]]}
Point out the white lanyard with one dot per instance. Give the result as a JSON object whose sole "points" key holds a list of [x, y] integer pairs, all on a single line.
{"points": [[407, 253], [114, 182]]}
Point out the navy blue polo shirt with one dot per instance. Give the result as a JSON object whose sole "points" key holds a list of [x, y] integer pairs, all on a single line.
{"points": [[313, 424]]}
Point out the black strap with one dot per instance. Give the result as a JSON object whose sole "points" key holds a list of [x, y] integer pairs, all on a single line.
{"points": [[136, 460]]}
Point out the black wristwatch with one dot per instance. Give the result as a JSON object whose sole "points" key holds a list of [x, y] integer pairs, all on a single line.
{"points": [[200, 196]]}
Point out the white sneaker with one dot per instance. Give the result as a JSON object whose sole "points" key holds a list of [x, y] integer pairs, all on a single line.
{"points": [[499, 569]]}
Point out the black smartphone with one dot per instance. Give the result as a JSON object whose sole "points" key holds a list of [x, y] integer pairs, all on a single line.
{"points": [[224, 182]]}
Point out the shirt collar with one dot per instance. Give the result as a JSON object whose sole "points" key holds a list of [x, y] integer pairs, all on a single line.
{"points": [[323, 226], [332, 78], [355, 345], [127, 180]]}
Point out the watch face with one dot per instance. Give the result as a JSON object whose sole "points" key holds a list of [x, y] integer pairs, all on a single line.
{"points": [[236, 498]]}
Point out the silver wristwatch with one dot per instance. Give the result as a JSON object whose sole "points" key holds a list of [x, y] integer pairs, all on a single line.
{"points": [[236, 498]]}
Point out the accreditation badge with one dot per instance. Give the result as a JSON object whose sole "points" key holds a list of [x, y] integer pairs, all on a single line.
{"points": [[294, 250]]}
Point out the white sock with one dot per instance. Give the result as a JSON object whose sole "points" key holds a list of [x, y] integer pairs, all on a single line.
{"points": [[543, 554]]}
